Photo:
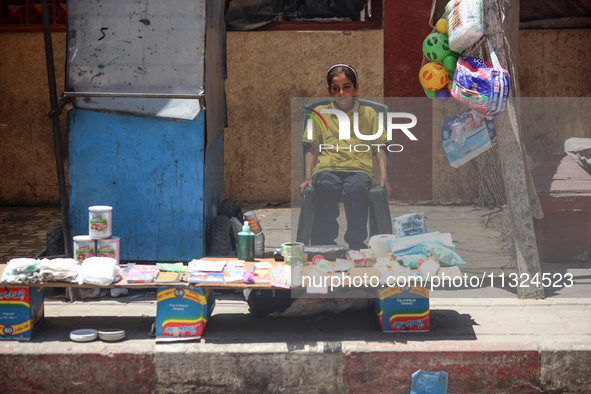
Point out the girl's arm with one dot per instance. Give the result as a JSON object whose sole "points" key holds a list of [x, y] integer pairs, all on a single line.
{"points": [[382, 159], [310, 159]]}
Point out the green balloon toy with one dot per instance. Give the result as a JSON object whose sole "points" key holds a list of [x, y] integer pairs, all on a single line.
{"points": [[430, 93], [436, 47], [450, 62]]}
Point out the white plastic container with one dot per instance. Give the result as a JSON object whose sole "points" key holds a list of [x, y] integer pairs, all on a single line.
{"points": [[100, 223], [84, 247], [108, 247]]}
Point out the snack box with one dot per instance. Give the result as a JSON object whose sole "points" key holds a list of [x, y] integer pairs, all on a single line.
{"points": [[21, 312], [182, 312], [403, 309]]}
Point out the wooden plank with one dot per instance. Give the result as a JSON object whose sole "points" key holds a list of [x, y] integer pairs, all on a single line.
{"points": [[512, 164]]}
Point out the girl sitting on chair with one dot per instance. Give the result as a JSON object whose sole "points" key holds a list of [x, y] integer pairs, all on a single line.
{"points": [[336, 169]]}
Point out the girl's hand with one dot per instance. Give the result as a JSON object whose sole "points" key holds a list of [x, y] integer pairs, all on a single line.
{"points": [[386, 183], [307, 182]]}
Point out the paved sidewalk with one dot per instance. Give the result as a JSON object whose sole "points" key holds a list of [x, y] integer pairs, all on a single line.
{"points": [[487, 339]]}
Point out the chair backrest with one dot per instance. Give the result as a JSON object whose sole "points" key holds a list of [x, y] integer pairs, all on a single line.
{"points": [[379, 108]]}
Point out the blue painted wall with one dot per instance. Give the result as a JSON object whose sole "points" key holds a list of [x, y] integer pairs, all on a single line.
{"points": [[151, 171], [213, 182]]}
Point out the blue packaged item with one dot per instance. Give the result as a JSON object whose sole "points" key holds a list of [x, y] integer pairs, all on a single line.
{"points": [[465, 136], [426, 382], [480, 85]]}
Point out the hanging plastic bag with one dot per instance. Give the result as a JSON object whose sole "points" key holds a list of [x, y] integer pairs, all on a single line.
{"points": [[480, 85], [465, 23]]}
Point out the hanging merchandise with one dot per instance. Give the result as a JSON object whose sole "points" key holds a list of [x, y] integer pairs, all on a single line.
{"points": [[433, 76], [465, 136], [465, 23], [480, 85], [439, 63]]}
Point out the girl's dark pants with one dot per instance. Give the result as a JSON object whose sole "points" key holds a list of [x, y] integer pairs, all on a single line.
{"points": [[352, 188]]}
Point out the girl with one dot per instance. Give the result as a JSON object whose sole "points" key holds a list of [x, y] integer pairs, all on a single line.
{"points": [[342, 172]]}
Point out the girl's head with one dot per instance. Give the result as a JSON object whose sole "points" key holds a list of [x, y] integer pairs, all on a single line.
{"points": [[342, 85]]}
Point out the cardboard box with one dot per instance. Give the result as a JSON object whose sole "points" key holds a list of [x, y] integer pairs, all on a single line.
{"points": [[182, 312], [403, 309], [21, 312]]}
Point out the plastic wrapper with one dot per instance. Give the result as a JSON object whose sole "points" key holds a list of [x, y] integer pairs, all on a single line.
{"points": [[465, 23], [329, 252], [402, 246], [465, 136], [480, 85], [409, 224], [580, 150], [100, 271], [21, 270], [426, 382]]}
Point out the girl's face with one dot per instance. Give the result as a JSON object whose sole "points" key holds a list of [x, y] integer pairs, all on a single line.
{"points": [[342, 90]]}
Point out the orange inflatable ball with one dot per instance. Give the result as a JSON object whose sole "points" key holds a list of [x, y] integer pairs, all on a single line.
{"points": [[433, 76]]}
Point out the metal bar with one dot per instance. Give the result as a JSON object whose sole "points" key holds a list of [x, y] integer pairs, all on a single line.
{"points": [[57, 136], [136, 95]]}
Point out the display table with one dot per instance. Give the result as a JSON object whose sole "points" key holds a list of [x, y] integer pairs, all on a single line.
{"points": [[183, 309], [123, 282]]}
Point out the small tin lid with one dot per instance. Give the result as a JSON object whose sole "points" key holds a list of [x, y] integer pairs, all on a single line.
{"points": [[100, 208], [111, 334], [82, 238], [106, 240], [83, 335]]}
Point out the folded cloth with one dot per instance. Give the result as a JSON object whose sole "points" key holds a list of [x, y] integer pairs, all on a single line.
{"points": [[21, 270], [59, 270]]}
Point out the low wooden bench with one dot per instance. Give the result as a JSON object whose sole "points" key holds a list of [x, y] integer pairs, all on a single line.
{"points": [[564, 190]]}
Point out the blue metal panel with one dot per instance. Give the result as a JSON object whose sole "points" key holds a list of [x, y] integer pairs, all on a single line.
{"points": [[150, 171], [213, 181]]}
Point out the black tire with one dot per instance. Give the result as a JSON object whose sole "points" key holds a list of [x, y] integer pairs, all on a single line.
{"points": [[54, 244], [219, 236], [231, 208]]}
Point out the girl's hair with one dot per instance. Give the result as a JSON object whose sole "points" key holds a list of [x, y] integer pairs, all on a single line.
{"points": [[338, 69]]}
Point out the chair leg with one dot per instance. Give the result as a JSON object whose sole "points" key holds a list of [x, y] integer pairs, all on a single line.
{"points": [[306, 220], [380, 221]]}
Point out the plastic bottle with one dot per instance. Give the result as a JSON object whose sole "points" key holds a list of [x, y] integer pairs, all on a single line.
{"points": [[259, 245], [246, 243]]}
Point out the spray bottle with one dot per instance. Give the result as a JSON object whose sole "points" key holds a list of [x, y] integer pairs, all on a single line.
{"points": [[246, 243]]}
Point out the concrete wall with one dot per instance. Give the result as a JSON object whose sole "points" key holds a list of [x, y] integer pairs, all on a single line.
{"points": [[555, 79], [266, 69], [27, 158]]}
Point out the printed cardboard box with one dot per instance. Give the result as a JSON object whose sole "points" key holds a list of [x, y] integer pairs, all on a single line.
{"points": [[403, 308], [182, 312], [21, 312]]}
